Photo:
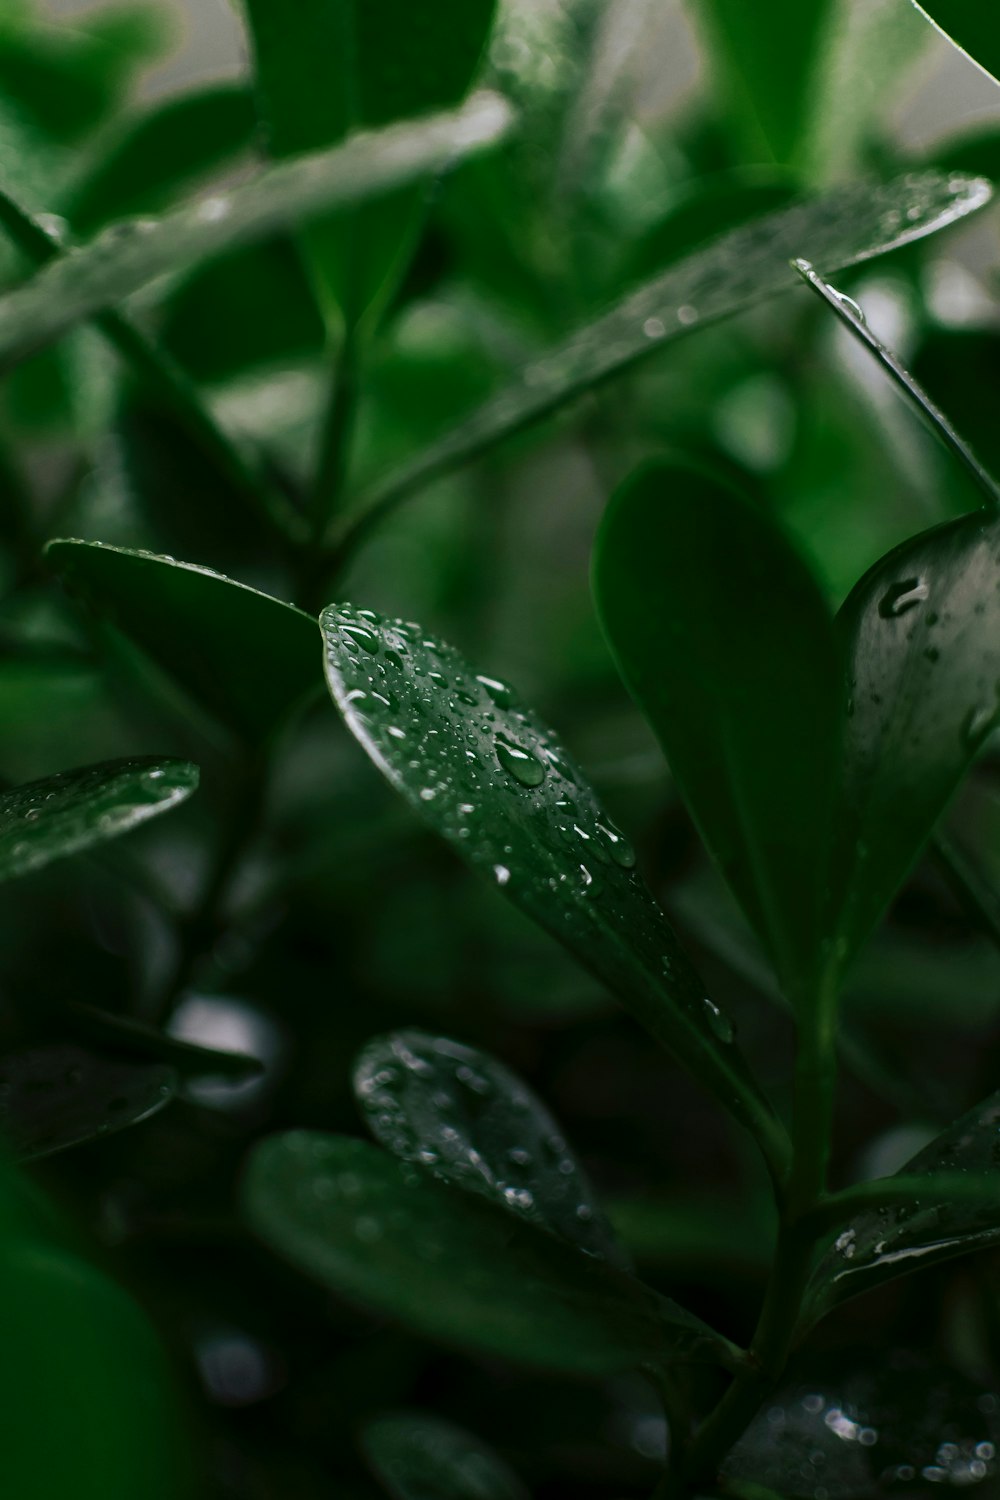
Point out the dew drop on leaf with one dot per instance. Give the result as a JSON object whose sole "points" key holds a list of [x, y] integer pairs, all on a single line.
{"points": [[902, 597]]}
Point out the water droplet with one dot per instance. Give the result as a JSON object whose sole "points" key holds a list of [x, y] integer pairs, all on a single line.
{"points": [[687, 315], [978, 723], [901, 597], [852, 307], [654, 328], [501, 874], [618, 845], [525, 768], [366, 639], [717, 1019], [845, 1244], [498, 691]]}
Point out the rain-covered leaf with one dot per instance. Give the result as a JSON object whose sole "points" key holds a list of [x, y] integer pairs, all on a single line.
{"points": [[900, 1425], [418, 1457], [73, 810], [887, 1241], [453, 1267], [921, 640], [126, 256], [473, 1123], [489, 776], [724, 639], [848, 225], [55, 1097], [245, 657], [973, 26]]}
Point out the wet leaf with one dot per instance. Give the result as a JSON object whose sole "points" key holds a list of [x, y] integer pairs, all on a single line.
{"points": [[490, 777], [473, 1123], [210, 634], [52, 1098], [848, 225], [453, 1267], [423, 1458], [127, 256], [973, 27], [74, 810]]}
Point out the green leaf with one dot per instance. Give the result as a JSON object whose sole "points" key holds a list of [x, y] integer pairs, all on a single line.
{"points": [[55, 1097], [423, 1458], [727, 644], [920, 636], [473, 1123], [208, 633], [490, 777], [453, 1267], [189, 1059], [74, 810], [126, 256], [972, 26], [849, 225]]}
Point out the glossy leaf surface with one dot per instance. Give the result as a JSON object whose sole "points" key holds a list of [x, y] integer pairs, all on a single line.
{"points": [[972, 26], [489, 776], [125, 257], [727, 644], [451, 1266], [55, 1097], [208, 633], [473, 1123], [418, 1457], [75, 810]]}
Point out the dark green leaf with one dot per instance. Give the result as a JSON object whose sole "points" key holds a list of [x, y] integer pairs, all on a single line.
{"points": [[473, 1123], [972, 26], [127, 256], [422, 1458], [490, 777], [189, 1059], [726, 643], [74, 810], [212, 636], [55, 1097], [453, 1267]]}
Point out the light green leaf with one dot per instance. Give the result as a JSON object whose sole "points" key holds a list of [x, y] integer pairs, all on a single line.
{"points": [[973, 26], [417, 1457], [490, 777], [75, 810], [208, 633], [453, 1267], [55, 1097]]}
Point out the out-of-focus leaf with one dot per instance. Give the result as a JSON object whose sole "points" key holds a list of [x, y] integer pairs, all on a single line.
{"points": [[74, 810], [712, 207], [973, 27], [452, 1266], [490, 777], [725, 641], [126, 256], [246, 658], [473, 1123], [188, 1059], [55, 1097], [417, 1457]]}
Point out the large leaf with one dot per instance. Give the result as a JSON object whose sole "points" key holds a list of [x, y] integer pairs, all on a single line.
{"points": [[55, 1097], [74, 810], [246, 658], [473, 1123], [972, 26], [846, 226], [417, 1457], [489, 776], [453, 1267], [727, 644], [127, 256], [921, 640]]}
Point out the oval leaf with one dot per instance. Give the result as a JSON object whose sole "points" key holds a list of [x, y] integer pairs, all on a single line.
{"points": [[726, 643], [489, 776], [74, 810], [210, 634], [973, 27], [473, 1123], [55, 1097], [453, 1267], [422, 1458]]}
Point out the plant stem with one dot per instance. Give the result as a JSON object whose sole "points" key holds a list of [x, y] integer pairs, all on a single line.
{"points": [[338, 430], [814, 1089]]}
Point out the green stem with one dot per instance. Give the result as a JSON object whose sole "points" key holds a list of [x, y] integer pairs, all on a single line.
{"points": [[814, 1090], [338, 430]]}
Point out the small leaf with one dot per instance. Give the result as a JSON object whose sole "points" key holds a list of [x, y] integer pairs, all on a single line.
{"points": [[423, 1458], [726, 642], [127, 256], [973, 27], [246, 658], [473, 1123], [489, 776], [453, 1267], [55, 1097], [189, 1059], [74, 810]]}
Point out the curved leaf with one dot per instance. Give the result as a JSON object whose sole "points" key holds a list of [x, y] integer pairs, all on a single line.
{"points": [[74, 810], [55, 1097], [972, 26], [726, 642], [125, 1035], [473, 1123], [489, 776], [453, 1267], [207, 632], [423, 1458]]}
